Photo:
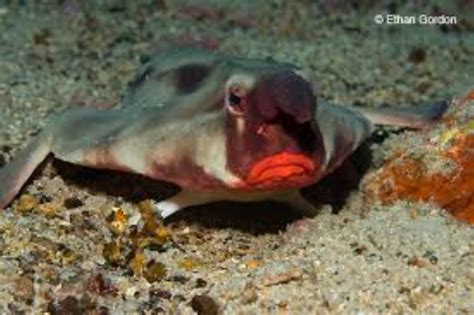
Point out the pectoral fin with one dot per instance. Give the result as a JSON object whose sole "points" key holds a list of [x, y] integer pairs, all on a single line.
{"points": [[14, 175], [187, 198], [66, 137]]}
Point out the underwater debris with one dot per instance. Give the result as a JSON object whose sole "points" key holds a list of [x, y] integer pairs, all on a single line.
{"points": [[190, 264], [27, 203], [285, 277], [100, 285], [154, 271], [410, 176], [126, 250], [118, 222]]}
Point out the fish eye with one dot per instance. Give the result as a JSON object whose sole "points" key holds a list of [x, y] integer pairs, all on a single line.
{"points": [[235, 99]]}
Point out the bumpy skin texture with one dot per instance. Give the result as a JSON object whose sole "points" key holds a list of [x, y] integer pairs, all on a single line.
{"points": [[223, 128]]}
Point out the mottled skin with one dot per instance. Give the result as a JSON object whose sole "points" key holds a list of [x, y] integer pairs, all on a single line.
{"points": [[223, 128]]}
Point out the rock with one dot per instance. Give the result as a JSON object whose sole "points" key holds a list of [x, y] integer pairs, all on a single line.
{"points": [[24, 288], [204, 305]]}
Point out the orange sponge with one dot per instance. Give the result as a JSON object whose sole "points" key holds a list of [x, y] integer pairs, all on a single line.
{"points": [[409, 176]]}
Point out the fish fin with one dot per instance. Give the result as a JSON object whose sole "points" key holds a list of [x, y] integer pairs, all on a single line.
{"points": [[14, 175], [184, 199], [187, 198], [416, 117]]}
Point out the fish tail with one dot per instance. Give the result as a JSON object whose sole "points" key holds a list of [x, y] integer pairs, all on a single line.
{"points": [[416, 117]]}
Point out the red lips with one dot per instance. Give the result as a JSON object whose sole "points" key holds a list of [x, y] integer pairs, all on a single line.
{"points": [[282, 170]]}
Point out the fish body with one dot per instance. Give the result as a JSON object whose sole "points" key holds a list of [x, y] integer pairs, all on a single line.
{"points": [[220, 127]]}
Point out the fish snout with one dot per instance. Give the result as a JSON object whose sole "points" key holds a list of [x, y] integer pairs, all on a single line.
{"points": [[290, 94]]}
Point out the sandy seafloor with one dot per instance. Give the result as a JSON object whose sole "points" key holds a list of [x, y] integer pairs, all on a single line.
{"points": [[75, 245]]}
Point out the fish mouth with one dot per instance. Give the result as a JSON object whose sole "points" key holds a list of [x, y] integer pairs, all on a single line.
{"points": [[282, 170]]}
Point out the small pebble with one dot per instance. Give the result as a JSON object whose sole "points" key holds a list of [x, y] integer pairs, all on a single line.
{"points": [[201, 283], [119, 221], [72, 203], [70, 305], [100, 286], [24, 289], [417, 55], [292, 275], [430, 255], [113, 254], [249, 295], [45, 198], [204, 305], [178, 278], [154, 271], [137, 264], [189, 264], [49, 209], [416, 261], [27, 203], [160, 294], [253, 263]]}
